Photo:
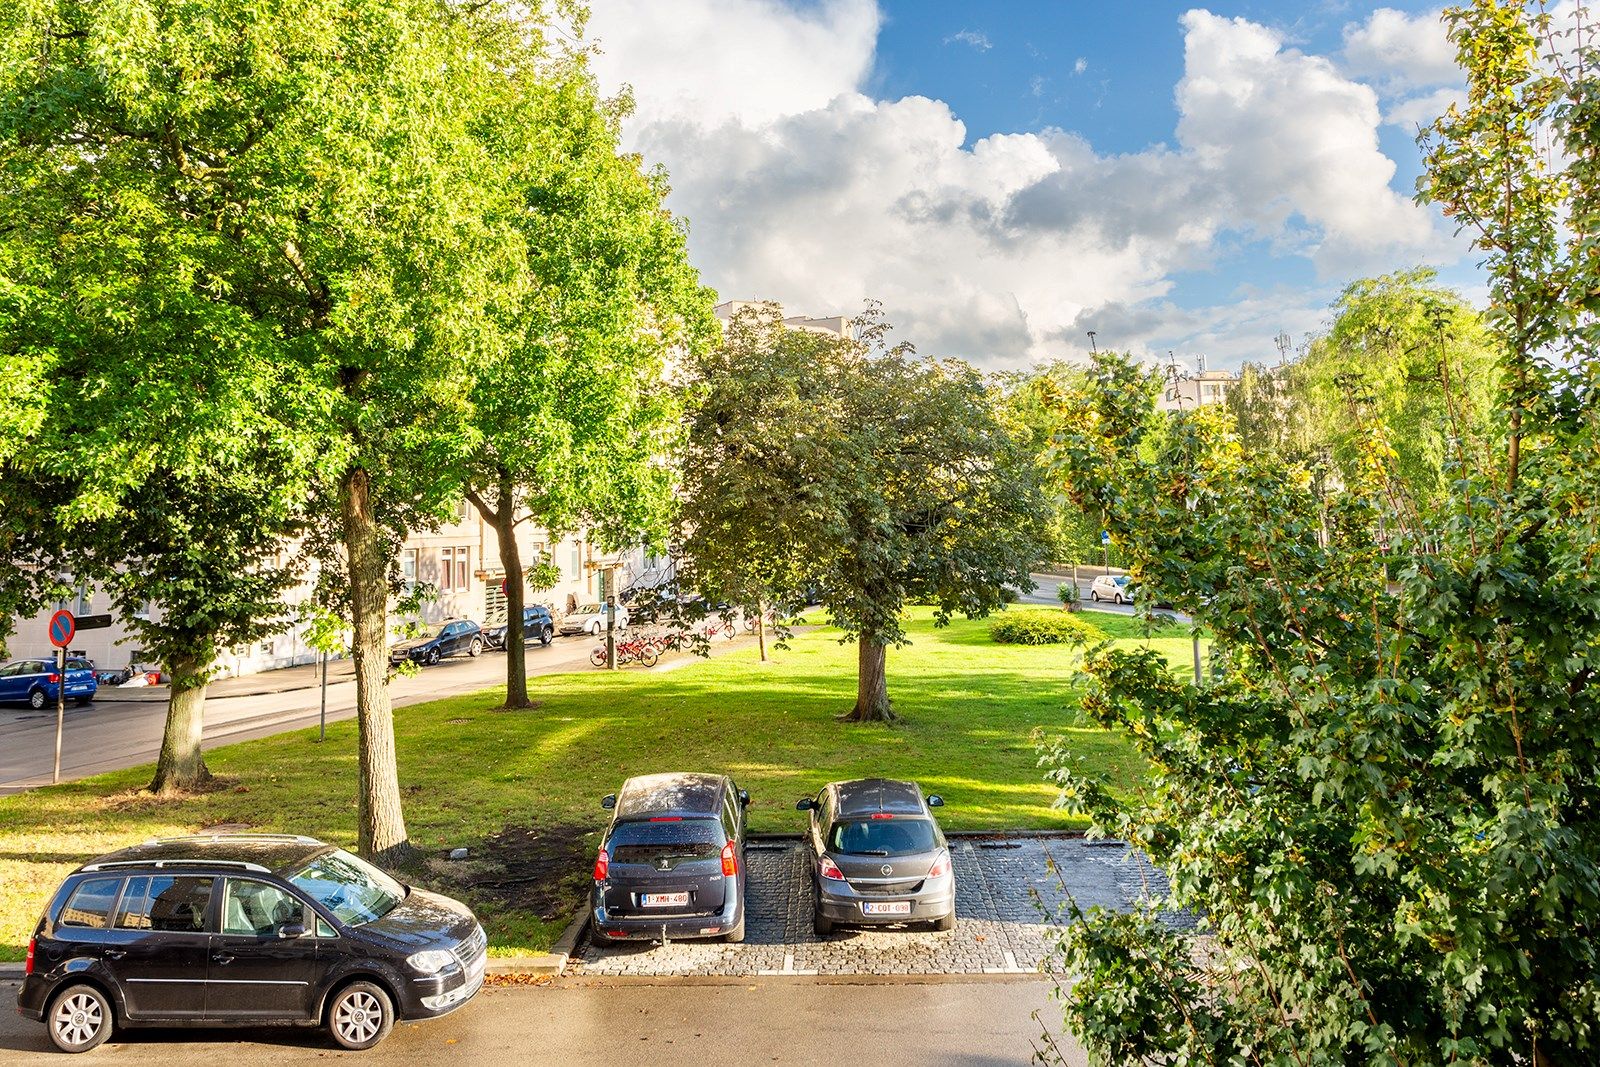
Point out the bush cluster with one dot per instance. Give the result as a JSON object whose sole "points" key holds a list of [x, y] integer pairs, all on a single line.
{"points": [[1042, 628]]}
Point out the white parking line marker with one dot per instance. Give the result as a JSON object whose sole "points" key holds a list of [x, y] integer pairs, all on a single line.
{"points": [[788, 963]]}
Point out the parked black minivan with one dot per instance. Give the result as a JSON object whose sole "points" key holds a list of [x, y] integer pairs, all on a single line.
{"points": [[671, 864], [245, 929]]}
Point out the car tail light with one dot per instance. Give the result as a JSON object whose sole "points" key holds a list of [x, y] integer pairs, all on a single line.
{"points": [[882, 815], [941, 866], [52, 678], [730, 861], [830, 869], [602, 866], [28, 967]]}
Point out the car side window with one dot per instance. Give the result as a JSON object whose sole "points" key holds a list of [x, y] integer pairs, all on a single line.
{"points": [[730, 821], [90, 904], [257, 909], [325, 928], [133, 913], [179, 904]]}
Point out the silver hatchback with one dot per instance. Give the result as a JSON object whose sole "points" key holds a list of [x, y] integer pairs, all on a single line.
{"points": [[878, 856]]}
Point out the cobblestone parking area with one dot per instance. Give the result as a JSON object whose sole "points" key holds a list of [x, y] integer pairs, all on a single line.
{"points": [[1010, 892]]}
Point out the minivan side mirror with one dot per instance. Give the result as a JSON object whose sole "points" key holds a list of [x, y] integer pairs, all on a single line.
{"points": [[935, 800], [744, 798], [608, 801], [290, 930], [805, 805]]}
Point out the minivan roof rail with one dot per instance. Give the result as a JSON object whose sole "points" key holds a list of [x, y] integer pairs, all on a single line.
{"points": [[297, 839], [232, 864]]}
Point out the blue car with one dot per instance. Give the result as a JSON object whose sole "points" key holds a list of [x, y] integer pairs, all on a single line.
{"points": [[35, 681]]}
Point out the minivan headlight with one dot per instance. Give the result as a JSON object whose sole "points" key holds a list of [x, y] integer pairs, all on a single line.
{"points": [[431, 961]]}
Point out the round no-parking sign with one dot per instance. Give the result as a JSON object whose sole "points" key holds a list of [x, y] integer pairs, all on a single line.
{"points": [[62, 627]]}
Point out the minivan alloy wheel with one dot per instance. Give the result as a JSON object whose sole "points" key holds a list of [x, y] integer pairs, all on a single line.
{"points": [[361, 1016], [80, 1020]]}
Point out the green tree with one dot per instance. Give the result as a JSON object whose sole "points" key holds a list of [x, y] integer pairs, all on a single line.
{"points": [[574, 420], [330, 175], [1384, 806], [1402, 352], [881, 478]]}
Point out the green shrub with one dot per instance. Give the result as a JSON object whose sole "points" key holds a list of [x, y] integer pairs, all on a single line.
{"points": [[1042, 628]]}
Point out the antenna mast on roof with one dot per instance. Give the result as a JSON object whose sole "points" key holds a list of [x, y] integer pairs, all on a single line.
{"points": [[1282, 341]]}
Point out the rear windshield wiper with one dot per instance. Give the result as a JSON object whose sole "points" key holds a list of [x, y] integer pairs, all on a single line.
{"points": [[871, 852]]}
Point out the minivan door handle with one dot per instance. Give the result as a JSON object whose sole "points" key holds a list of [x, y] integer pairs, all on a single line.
{"points": [[114, 953], [222, 957]]}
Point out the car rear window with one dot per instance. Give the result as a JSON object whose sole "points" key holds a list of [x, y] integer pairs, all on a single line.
{"points": [[91, 902], [651, 842], [900, 836]]}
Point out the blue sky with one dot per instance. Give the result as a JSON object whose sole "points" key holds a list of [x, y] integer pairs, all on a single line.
{"points": [[1005, 176]]}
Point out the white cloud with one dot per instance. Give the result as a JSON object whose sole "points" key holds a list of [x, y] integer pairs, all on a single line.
{"points": [[751, 60], [1401, 51], [1418, 112], [975, 38], [1080, 65], [801, 187]]}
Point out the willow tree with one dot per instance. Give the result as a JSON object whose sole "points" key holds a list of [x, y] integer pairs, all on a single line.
{"points": [[574, 419]]}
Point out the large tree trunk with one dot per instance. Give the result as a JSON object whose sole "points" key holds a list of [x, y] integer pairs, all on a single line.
{"points": [[505, 528], [872, 688], [181, 765], [381, 823]]}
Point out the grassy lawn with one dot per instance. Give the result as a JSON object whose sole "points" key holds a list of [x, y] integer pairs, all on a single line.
{"points": [[522, 789]]}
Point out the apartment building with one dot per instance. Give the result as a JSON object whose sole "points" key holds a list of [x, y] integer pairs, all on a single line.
{"points": [[460, 560], [838, 325], [1203, 389]]}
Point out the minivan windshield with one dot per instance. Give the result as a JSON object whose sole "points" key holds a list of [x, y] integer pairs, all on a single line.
{"points": [[882, 837], [350, 887]]}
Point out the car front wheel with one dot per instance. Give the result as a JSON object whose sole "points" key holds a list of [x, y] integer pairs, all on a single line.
{"points": [[432, 657], [1117, 599], [360, 1016], [80, 1019]]}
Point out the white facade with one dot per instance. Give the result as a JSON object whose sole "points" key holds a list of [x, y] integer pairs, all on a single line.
{"points": [[1206, 388], [461, 560], [837, 325]]}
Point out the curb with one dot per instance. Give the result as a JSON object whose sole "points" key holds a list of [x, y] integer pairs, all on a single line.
{"points": [[553, 962], [12, 970]]}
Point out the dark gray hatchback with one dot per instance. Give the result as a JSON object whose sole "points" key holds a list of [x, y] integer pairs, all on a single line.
{"points": [[255, 929], [671, 864], [878, 856]]}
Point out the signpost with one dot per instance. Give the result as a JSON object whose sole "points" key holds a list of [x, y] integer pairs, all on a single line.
{"points": [[63, 627], [1105, 550]]}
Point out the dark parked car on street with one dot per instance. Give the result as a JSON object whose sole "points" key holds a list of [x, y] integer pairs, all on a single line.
{"points": [[36, 681], [878, 856], [245, 930], [537, 625], [442, 639], [671, 863]]}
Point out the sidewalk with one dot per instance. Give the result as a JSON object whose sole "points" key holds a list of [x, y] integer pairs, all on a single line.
{"points": [[282, 680]]}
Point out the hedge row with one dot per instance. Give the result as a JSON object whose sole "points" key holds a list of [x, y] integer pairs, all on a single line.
{"points": [[1042, 628]]}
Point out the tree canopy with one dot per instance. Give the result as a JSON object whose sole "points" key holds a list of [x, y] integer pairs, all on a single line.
{"points": [[851, 465], [1382, 807]]}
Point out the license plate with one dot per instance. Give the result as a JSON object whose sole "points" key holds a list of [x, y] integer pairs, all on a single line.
{"points": [[893, 907], [663, 900]]}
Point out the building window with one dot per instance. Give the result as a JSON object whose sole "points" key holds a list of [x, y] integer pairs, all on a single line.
{"points": [[577, 562], [453, 570], [408, 567]]}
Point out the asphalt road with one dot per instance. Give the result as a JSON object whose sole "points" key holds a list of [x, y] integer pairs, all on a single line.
{"points": [[1047, 593], [114, 733], [569, 1022]]}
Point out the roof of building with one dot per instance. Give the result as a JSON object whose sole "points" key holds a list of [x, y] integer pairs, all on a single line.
{"points": [[866, 795], [670, 794], [274, 852]]}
